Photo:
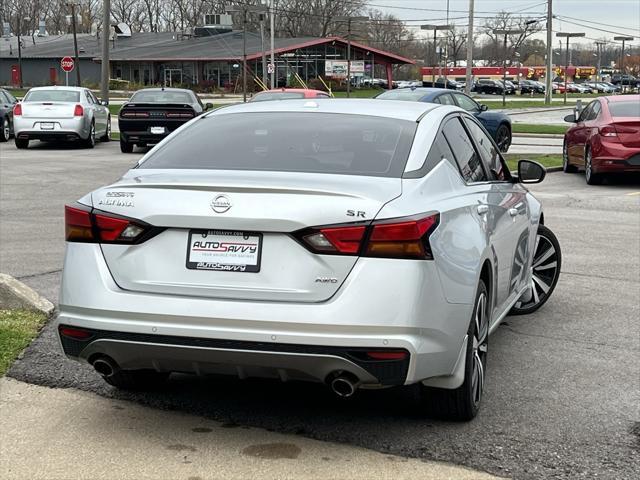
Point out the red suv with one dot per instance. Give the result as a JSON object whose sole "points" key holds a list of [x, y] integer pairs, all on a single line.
{"points": [[605, 138]]}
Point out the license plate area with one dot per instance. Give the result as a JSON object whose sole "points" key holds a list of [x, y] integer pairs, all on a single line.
{"points": [[157, 130], [47, 125], [224, 251]]}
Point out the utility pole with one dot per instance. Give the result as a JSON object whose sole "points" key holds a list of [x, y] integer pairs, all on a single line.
{"points": [[506, 33], [272, 28], [73, 6], [435, 29], [566, 68], [244, 10], [624, 39], [104, 70], [446, 49], [467, 87], [20, 18], [599, 46], [349, 20], [548, 78], [264, 54]]}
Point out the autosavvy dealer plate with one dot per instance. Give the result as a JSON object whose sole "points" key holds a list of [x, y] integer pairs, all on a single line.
{"points": [[223, 250], [46, 125], [157, 130]]}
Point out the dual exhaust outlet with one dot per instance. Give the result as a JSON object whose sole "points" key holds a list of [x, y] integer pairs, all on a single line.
{"points": [[343, 384]]}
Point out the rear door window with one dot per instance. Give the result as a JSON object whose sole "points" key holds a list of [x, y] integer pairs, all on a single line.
{"points": [[290, 142], [467, 158]]}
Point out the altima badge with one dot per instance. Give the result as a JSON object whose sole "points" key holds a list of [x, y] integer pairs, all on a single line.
{"points": [[220, 204]]}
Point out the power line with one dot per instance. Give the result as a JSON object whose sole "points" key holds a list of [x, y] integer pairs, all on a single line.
{"points": [[591, 27], [599, 23]]}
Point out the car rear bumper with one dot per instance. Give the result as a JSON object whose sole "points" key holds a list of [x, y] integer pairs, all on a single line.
{"points": [[616, 158], [259, 338], [62, 128]]}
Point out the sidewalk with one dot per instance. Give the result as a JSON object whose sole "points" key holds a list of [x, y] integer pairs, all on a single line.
{"points": [[67, 434]]}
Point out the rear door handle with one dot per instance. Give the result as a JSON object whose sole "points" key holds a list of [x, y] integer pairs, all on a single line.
{"points": [[482, 209]]}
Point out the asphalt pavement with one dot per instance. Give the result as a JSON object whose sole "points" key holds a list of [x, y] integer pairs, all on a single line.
{"points": [[563, 384]]}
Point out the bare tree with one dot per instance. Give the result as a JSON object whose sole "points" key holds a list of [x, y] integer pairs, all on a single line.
{"points": [[456, 41], [494, 54]]}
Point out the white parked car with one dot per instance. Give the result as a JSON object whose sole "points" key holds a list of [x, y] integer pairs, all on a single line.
{"points": [[358, 243], [61, 114]]}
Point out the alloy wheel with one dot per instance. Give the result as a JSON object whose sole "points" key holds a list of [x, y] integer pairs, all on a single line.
{"points": [[545, 272], [480, 347], [92, 134], [503, 139], [588, 167], [6, 132]]}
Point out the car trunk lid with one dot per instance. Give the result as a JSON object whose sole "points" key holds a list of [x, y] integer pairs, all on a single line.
{"points": [[263, 209], [628, 130], [48, 110]]}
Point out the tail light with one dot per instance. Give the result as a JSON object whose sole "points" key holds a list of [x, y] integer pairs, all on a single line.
{"points": [[608, 131], [395, 238], [78, 111], [17, 109], [180, 114], [83, 224], [133, 114]]}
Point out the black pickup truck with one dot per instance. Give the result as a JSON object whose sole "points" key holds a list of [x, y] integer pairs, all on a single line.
{"points": [[153, 113]]}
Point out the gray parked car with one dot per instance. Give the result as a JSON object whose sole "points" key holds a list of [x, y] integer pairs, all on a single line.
{"points": [[357, 243], [61, 114]]}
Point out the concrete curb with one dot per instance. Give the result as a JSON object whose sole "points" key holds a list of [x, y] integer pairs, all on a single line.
{"points": [[539, 135], [15, 294]]}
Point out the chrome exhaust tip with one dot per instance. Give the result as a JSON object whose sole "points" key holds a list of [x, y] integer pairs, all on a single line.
{"points": [[344, 385], [105, 366]]}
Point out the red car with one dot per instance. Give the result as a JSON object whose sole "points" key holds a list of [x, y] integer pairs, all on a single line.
{"points": [[287, 94], [605, 138]]}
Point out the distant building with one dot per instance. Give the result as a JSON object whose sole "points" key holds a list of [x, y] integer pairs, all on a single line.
{"points": [[210, 57]]}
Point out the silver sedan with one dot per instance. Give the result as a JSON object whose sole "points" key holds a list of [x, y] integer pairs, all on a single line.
{"points": [[61, 114]]}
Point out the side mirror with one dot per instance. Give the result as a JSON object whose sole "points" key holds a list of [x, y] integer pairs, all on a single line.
{"points": [[483, 108], [570, 118], [208, 106], [530, 172], [104, 103]]}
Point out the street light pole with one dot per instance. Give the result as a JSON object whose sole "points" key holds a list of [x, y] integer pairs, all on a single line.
{"points": [[548, 87], [349, 20], [506, 33], [264, 54], [624, 39], [467, 87], [244, 10], [435, 29], [73, 6], [566, 68], [272, 27]]}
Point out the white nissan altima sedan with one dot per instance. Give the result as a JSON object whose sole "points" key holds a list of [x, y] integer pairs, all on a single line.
{"points": [[358, 243]]}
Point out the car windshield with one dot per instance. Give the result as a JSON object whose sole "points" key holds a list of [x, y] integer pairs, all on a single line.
{"points": [[263, 97], [52, 96], [403, 94], [290, 142], [161, 96], [627, 108]]}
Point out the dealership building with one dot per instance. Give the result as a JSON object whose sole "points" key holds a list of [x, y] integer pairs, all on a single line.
{"points": [[210, 56]]}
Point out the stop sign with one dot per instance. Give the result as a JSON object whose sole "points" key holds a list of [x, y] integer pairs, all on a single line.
{"points": [[67, 64]]}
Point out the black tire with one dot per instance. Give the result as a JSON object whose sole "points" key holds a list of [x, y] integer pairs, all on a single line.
{"points": [[107, 136], [137, 379], [566, 166], [5, 130], [463, 403], [545, 272], [126, 147], [22, 143], [90, 141], [590, 176], [503, 137]]}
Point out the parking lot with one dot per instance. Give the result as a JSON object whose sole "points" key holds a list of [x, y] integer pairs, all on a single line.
{"points": [[563, 386]]}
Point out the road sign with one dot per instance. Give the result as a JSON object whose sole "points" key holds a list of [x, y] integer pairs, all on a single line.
{"points": [[270, 68], [67, 64]]}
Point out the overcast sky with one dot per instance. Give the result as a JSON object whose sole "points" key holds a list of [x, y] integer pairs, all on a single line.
{"points": [[621, 16]]}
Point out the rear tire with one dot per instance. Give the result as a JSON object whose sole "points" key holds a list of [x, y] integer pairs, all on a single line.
{"points": [[126, 147], [463, 403], [22, 143], [107, 135], [566, 165], [5, 132], [137, 379], [90, 141], [503, 137], [589, 175]]}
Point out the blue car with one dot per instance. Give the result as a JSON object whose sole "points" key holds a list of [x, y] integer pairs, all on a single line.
{"points": [[497, 124]]}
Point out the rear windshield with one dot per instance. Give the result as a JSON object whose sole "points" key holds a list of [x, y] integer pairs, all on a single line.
{"points": [[629, 108], [402, 94], [161, 96], [52, 96], [262, 97], [290, 142]]}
